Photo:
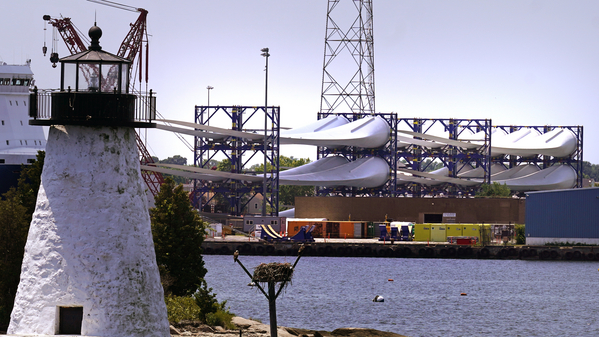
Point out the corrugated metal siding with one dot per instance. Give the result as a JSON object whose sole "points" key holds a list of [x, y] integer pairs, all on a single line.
{"points": [[563, 214]]}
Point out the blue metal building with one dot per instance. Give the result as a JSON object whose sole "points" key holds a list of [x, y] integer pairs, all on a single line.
{"points": [[562, 216]]}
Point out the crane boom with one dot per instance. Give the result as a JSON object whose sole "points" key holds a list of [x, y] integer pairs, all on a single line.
{"points": [[133, 42], [68, 33], [131, 45]]}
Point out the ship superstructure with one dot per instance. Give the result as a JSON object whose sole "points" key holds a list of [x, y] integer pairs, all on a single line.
{"points": [[19, 141]]}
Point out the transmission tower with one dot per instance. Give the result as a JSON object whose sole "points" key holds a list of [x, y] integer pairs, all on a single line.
{"points": [[348, 67]]}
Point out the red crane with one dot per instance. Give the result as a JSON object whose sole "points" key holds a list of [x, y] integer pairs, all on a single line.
{"points": [[131, 46]]}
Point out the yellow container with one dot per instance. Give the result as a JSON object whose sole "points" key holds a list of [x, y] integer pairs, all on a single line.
{"points": [[422, 232], [454, 230], [472, 230], [438, 233]]}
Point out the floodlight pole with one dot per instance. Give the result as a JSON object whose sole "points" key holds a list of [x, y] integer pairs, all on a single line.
{"points": [[266, 55]]}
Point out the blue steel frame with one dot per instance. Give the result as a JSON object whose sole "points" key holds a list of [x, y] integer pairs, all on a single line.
{"points": [[454, 158], [388, 152], [574, 160], [239, 151]]}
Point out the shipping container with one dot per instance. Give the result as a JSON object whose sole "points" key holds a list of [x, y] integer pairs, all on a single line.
{"points": [[438, 233], [454, 230], [330, 229], [422, 232], [471, 230]]}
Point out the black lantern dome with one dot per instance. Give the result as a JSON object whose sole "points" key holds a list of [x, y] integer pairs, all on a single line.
{"points": [[94, 90]]}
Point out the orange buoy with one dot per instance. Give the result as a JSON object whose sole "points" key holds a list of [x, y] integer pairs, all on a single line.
{"points": [[463, 294], [390, 280]]}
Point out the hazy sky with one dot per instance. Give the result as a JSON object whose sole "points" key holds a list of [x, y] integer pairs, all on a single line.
{"points": [[515, 62]]}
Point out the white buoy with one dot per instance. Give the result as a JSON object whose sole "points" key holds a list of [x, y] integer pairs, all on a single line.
{"points": [[378, 298]]}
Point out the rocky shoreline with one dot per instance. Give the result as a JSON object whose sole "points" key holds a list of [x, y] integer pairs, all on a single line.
{"points": [[251, 328]]}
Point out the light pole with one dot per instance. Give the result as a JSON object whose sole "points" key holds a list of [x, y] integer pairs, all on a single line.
{"points": [[208, 88], [266, 55]]}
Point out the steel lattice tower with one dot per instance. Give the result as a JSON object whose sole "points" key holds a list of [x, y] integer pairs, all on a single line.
{"points": [[348, 67]]}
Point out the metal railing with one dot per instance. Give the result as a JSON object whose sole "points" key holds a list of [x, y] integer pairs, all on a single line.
{"points": [[40, 104]]}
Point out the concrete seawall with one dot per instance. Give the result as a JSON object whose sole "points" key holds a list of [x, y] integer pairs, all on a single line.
{"points": [[374, 248]]}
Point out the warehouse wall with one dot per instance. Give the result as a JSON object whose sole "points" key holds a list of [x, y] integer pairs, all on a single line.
{"points": [[563, 216], [466, 210]]}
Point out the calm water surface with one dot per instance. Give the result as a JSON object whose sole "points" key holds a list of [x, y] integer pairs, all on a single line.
{"points": [[504, 297]]}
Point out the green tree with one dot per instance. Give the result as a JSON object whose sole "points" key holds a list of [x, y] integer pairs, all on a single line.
{"points": [[590, 171], [495, 189], [176, 159], [178, 236], [29, 183], [13, 235], [287, 193], [16, 210]]}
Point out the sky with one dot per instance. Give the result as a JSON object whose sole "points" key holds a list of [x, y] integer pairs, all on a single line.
{"points": [[516, 62]]}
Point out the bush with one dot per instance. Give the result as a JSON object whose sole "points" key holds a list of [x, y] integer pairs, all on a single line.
{"points": [[520, 237], [221, 318], [181, 308], [201, 306]]}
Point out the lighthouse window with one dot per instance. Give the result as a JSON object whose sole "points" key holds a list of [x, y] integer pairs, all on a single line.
{"points": [[10, 103], [7, 142], [21, 123], [4, 81], [21, 142], [2, 122], [25, 142], [17, 103], [24, 103]]}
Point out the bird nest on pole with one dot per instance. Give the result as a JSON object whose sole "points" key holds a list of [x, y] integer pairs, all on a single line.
{"points": [[273, 272]]}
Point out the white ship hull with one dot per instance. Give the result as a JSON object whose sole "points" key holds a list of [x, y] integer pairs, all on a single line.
{"points": [[19, 141]]}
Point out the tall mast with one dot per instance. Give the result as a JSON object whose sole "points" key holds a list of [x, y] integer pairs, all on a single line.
{"points": [[348, 67]]}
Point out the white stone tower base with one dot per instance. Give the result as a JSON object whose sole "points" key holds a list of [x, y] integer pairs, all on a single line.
{"points": [[90, 242]]}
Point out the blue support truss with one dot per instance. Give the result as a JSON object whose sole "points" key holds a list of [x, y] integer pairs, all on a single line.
{"points": [[454, 158], [388, 152], [240, 152], [574, 160]]}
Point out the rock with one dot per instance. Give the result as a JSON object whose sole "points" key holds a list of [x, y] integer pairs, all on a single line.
{"points": [[252, 328], [359, 332]]}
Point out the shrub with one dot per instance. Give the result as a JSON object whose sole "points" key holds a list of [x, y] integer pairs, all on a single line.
{"points": [[181, 308], [201, 306], [221, 318], [520, 237]]}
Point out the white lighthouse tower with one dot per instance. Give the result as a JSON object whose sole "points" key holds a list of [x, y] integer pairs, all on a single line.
{"points": [[89, 266]]}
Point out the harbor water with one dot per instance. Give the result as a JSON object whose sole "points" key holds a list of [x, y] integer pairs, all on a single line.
{"points": [[423, 297]]}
